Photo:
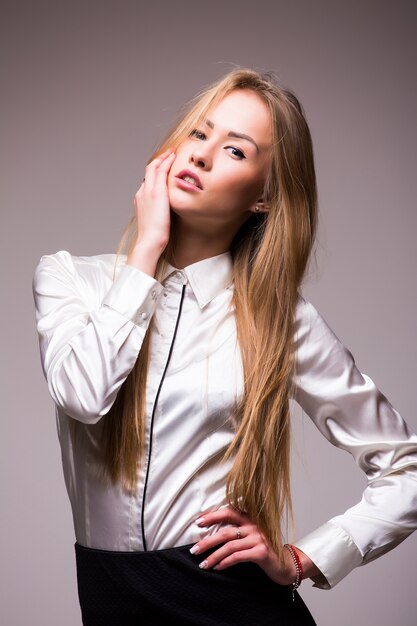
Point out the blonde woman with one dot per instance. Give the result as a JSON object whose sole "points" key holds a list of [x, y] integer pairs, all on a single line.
{"points": [[172, 367]]}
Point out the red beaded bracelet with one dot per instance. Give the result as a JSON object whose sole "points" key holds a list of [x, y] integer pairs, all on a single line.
{"points": [[298, 568]]}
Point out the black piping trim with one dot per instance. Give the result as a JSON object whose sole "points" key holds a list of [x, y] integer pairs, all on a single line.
{"points": [[152, 421]]}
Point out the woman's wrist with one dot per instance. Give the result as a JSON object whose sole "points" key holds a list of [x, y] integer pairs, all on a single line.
{"points": [[309, 568], [301, 566], [144, 256], [294, 584]]}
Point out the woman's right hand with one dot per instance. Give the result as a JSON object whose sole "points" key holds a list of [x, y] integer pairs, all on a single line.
{"points": [[152, 211]]}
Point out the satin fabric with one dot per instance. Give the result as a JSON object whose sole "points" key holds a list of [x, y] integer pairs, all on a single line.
{"points": [[92, 314]]}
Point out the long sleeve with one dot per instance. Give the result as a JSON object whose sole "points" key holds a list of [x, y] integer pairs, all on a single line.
{"points": [[353, 414], [90, 328]]}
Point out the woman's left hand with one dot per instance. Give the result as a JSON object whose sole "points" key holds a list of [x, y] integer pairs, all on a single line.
{"points": [[242, 542]]}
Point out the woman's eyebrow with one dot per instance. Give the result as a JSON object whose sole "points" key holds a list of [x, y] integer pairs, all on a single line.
{"points": [[233, 133]]}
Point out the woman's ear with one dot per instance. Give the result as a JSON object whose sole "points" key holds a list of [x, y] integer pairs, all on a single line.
{"points": [[260, 207]]}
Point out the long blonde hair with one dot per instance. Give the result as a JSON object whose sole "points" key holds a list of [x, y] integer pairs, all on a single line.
{"points": [[270, 253]]}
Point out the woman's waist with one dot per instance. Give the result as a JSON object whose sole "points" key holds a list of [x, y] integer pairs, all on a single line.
{"points": [[116, 521]]}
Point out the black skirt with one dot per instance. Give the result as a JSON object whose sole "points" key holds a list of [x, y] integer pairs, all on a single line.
{"points": [[166, 587]]}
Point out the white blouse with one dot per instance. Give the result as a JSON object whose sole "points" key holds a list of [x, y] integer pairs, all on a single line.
{"points": [[91, 328]]}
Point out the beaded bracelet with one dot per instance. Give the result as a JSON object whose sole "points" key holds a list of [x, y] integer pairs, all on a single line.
{"points": [[298, 569]]}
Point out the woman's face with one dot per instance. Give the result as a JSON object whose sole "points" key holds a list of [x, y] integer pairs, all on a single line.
{"points": [[219, 171]]}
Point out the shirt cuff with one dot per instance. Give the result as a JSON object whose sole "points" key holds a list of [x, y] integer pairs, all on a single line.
{"points": [[333, 551], [134, 294]]}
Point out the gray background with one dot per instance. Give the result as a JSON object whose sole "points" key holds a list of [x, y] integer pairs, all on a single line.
{"points": [[88, 89]]}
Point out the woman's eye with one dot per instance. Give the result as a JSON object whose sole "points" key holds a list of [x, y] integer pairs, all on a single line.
{"points": [[236, 152], [198, 134]]}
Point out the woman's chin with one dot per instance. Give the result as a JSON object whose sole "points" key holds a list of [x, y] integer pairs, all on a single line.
{"points": [[182, 209]]}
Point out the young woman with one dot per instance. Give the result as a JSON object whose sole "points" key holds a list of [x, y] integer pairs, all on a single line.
{"points": [[172, 368]]}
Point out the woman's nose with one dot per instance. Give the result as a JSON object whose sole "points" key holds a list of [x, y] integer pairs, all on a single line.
{"points": [[201, 158]]}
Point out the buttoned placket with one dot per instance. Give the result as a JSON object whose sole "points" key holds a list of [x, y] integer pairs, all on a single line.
{"points": [[163, 339]]}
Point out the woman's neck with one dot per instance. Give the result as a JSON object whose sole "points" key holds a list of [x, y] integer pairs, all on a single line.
{"points": [[192, 245]]}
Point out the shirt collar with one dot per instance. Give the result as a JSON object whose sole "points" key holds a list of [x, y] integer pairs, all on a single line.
{"points": [[207, 277]]}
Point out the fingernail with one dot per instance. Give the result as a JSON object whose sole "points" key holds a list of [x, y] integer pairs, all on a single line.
{"points": [[200, 520], [195, 549], [203, 565]]}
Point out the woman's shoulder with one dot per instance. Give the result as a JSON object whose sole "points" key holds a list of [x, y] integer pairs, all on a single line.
{"points": [[309, 323], [89, 272], [66, 262], [304, 310]]}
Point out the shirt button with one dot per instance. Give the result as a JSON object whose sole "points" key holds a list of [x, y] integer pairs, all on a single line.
{"points": [[165, 294], [179, 275], [144, 316], [153, 294]]}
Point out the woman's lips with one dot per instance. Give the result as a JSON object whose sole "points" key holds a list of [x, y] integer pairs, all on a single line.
{"points": [[189, 181]]}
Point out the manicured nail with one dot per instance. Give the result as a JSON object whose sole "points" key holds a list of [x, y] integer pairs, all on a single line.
{"points": [[203, 565], [200, 520], [195, 549]]}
